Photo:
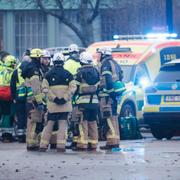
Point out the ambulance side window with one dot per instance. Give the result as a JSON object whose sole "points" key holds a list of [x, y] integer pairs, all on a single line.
{"points": [[140, 75]]}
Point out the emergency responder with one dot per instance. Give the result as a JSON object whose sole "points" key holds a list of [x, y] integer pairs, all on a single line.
{"points": [[33, 76], [6, 103], [87, 80], [107, 95], [72, 64], [45, 61], [20, 93], [59, 86]]}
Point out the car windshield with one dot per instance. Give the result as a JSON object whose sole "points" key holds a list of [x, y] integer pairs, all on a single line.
{"points": [[169, 73], [127, 70]]}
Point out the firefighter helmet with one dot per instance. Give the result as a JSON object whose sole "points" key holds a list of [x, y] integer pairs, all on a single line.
{"points": [[86, 58], [58, 57], [9, 61], [36, 53], [105, 51], [46, 54], [73, 48]]}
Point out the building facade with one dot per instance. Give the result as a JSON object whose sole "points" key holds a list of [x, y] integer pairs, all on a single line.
{"points": [[24, 26]]}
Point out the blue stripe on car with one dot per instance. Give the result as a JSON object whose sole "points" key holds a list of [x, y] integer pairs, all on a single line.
{"points": [[169, 109]]}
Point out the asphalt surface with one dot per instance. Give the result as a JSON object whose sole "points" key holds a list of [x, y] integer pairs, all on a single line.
{"points": [[144, 159]]}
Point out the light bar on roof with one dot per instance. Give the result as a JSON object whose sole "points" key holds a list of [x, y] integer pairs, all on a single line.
{"points": [[161, 35], [146, 36]]}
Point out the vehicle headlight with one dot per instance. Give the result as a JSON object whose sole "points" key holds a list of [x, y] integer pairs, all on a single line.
{"points": [[144, 82]]}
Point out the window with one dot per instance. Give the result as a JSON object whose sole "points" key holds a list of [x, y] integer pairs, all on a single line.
{"points": [[141, 75], [30, 31], [169, 74]]}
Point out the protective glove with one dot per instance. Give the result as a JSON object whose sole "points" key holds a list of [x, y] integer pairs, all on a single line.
{"points": [[59, 101], [40, 107]]}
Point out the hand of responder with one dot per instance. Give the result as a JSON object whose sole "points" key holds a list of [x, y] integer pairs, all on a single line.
{"points": [[40, 107], [59, 101]]}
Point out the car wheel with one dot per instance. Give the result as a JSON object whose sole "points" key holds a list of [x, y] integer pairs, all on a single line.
{"points": [[161, 132], [127, 111]]}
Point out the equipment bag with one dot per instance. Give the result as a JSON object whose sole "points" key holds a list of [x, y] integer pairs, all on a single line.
{"points": [[129, 128], [5, 93]]}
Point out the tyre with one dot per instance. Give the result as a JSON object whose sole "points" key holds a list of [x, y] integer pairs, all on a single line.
{"points": [[161, 132], [127, 111]]}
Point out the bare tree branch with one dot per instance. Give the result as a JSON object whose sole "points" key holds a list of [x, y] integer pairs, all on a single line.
{"points": [[59, 3], [63, 20], [95, 12]]}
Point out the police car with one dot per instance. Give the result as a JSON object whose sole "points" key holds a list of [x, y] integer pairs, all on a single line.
{"points": [[162, 101]]}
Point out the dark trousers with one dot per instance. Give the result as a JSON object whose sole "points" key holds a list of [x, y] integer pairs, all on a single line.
{"points": [[21, 114]]}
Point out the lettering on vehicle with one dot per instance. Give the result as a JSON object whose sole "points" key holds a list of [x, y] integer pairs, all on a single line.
{"points": [[169, 54]]}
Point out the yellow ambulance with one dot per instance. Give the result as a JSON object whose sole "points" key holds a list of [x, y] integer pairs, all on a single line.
{"points": [[140, 60]]}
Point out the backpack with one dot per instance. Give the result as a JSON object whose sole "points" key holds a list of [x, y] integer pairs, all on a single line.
{"points": [[129, 128], [90, 76]]}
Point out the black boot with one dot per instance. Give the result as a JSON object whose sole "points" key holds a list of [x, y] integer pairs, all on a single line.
{"points": [[90, 147], [7, 138], [53, 146], [72, 146], [109, 147], [32, 148], [22, 139]]}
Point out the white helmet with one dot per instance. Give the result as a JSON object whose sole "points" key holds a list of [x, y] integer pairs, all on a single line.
{"points": [[58, 57], [105, 50], [86, 58], [73, 48], [46, 53]]}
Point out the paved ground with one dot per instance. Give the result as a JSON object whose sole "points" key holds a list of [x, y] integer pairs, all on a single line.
{"points": [[141, 159]]}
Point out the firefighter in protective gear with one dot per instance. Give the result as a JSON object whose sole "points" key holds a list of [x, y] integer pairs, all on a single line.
{"points": [[6, 103], [72, 64], [33, 76], [87, 80], [59, 86], [107, 95], [45, 61], [20, 94]]}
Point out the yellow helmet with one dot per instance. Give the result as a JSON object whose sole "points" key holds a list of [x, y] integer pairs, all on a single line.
{"points": [[9, 61], [36, 53]]}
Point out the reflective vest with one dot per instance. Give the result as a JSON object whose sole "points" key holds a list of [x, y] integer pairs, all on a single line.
{"points": [[87, 94], [1, 66], [72, 66], [22, 90], [5, 79]]}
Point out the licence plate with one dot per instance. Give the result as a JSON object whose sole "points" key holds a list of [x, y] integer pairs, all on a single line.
{"points": [[172, 98]]}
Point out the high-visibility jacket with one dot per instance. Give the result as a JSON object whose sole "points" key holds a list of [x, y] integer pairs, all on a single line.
{"points": [[5, 79], [1, 66], [5, 76], [72, 66], [18, 87]]}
